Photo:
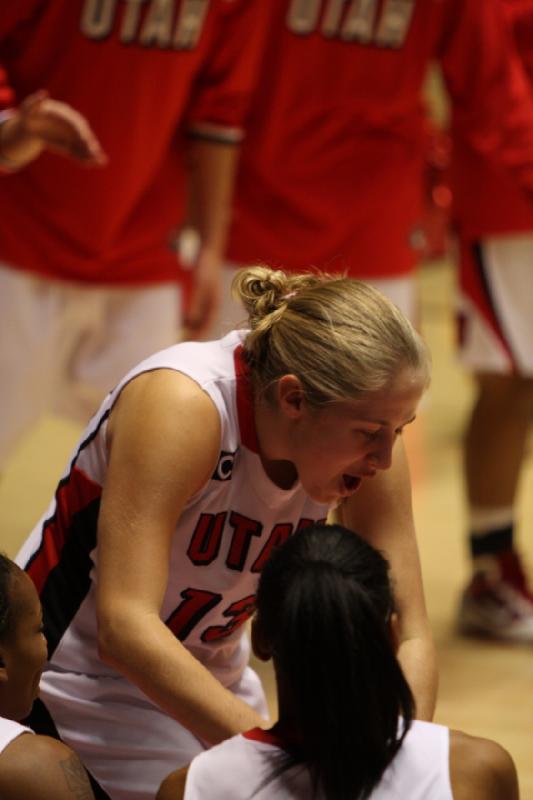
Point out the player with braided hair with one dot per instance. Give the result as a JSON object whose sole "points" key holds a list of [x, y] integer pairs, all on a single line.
{"points": [[204, 458], [31, 767]]}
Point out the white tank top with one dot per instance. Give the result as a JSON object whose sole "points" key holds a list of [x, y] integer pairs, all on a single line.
{"points": [[240, 769], [222, 539], [10, 730]]}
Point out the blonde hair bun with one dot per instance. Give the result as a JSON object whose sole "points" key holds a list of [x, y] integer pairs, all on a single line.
{"points": [[263, 290], [341, 337]]}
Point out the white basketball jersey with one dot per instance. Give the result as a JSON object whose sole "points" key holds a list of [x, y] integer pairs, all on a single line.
{"points": [[247, 767], [10, 730], [222, 539]]}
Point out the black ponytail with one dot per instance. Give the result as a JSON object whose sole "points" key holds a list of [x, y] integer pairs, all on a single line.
{"points": [[324, 604]]}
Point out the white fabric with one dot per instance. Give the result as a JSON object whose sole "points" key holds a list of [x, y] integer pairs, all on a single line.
{"points": [[508, 268], [248, 494], [236, 768], [402, 291], [483, 519], [84, 694], [63, 346], [10, 730], [128, 744]]}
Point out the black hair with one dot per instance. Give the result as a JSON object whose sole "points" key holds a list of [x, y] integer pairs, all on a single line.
{"points": [[324, 604], [8, 569]]}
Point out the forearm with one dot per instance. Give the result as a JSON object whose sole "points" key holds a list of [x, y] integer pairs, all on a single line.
{"points": [[151, 657], [384, 516], [212, 167], [418, 659]]}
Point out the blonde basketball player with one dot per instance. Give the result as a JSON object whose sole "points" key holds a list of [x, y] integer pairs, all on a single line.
{"points": [[201, 460]]}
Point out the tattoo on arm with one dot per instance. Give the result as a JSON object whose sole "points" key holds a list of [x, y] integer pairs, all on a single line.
{"points": [[76, 778]]}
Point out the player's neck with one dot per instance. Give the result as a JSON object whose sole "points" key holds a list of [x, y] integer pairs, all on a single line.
{"points": [[272, 439], [287, 727]]}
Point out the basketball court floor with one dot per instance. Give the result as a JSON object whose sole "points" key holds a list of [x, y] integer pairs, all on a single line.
{"points": [[485, 689]]}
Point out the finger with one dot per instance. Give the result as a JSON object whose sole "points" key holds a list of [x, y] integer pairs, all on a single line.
{"points": [[192, 319], [81, 142], [87, 149], [65, 130], [193, 316], [81, 149], [33, 100], [199, 319]]}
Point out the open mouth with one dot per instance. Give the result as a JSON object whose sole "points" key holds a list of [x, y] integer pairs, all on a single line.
{"points": [[351, 482]]}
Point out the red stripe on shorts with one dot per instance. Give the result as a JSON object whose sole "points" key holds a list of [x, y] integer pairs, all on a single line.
{"points": [[475, 285]]}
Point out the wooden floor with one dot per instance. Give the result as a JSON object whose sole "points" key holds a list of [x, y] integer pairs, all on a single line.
{"points": [[485, 689]]}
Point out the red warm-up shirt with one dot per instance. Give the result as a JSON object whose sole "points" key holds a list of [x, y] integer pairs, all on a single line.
{"points": [[331, 169], [487, 198], [146, 76]]}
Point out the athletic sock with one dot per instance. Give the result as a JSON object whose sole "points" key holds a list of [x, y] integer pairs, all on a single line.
{"points": [[492, 542], [491, 531]]}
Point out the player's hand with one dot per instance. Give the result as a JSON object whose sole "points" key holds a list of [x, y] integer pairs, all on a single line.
{"points": [[41, 123], [206, 294]]}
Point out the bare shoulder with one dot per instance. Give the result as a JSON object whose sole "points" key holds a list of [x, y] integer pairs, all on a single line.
{"points": [[173, 787], [162, 422], [162, 390], [481, 769], [40, 768]]}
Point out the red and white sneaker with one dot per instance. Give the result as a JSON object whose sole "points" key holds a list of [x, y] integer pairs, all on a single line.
{"points": [[497, 602]]}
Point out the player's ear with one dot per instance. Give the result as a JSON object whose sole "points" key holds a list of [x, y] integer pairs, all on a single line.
{"points": [[290, 395], [3, 667], [394, 631], [260, 646]]}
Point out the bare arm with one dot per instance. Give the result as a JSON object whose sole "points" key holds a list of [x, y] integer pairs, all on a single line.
{"points": [[173, 787], [164, 438], [40, 123], [216, 121], [39, 768], [212, 167], [381, 511], [481, 769]]}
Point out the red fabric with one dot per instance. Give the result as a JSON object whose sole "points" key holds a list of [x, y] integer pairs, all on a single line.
{"points": [[331, 170], [267, 737], [487, 197], [245, 407], [72, 496], [116, 224]]}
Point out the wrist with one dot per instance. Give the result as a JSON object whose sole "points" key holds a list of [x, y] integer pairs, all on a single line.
{"points": [[17, 148], [6, 164]]}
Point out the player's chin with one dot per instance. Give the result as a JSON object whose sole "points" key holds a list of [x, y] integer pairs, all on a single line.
{"points": [[327, 495]]}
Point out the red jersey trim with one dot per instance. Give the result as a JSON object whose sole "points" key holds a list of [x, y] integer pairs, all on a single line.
{"points": [[73, 495], [216, 133], [245, 406], [259, 735]]}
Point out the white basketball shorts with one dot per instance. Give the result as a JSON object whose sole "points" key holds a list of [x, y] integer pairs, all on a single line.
{"points": [[63, 346], [496, 304]]}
